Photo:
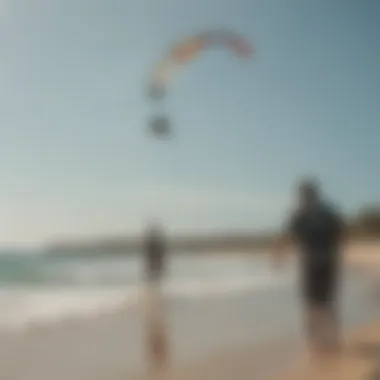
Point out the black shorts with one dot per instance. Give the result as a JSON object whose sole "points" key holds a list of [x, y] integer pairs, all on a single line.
{"points": [[320, 283]]}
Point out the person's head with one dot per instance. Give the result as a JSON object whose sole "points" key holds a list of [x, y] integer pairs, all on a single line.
{"points": [[155, 231], [308, 193]]}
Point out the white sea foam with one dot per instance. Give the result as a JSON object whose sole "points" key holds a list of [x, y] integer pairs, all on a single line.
{"points": [[21, 307], [48, 290]]}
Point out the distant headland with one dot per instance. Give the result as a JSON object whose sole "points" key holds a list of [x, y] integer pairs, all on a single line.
{"points": [[364, 225]]}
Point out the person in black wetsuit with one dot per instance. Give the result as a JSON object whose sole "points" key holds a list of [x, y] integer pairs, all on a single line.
{"points": [[317, 230]]}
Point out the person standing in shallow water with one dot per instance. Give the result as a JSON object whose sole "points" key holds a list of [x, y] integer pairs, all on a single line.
{"points": [[155, 252], [317, 230], [155, 255]]}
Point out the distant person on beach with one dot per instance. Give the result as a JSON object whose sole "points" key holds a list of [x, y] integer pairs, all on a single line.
{"points": [[317, 230], [155, 254]]}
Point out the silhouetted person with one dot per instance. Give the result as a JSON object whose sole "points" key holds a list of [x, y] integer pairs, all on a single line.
{"points": [[155, 254], [317, 230], [155, 260]]}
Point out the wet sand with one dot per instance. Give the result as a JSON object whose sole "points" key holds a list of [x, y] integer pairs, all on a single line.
{"points": [[254, 334], [112, 346], [360, 359], [361, 356], [290, 361]]}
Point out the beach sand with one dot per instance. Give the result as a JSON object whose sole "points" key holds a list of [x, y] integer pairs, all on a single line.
{"points": [[289, 360], [361, 356], [364, 255], [359, 360], [248, 335], [112, 346]]}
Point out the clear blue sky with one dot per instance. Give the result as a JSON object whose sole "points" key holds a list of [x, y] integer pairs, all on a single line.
{"points": [[74, 155]]}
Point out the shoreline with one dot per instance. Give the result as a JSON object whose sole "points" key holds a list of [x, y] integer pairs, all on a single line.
{"points": [[230, 336], [206, 335], [242, 363]]}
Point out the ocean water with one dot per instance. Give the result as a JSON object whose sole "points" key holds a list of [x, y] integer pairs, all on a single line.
{"points": [[37, 288]]}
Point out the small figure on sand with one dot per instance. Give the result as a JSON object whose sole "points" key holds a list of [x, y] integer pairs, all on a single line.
{"points": [[317, 230]]}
